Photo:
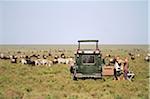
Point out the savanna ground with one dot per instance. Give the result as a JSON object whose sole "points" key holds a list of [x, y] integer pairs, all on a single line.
{"points": [[40, 82]]}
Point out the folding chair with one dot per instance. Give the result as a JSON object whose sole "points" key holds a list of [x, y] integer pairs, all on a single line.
{"points": [[130, 76]]}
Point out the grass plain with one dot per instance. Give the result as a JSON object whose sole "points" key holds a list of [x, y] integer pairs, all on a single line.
{"points": [[31, 82]]}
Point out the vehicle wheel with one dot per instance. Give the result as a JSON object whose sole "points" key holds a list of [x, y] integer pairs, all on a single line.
{"points": [[95, 78], [74, 78], [71, 69], [103, 79], [83, 78]]}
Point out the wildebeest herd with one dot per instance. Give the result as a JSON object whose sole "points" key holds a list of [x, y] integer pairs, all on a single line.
{"points": [[48, 58], [36, 59], [132, 56]]}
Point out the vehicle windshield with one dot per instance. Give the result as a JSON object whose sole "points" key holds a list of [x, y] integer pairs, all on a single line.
{"points": [[87, 59], [87, 46]]}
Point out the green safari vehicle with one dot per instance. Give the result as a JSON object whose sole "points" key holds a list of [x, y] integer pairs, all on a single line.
{"points": [[88, 62]]}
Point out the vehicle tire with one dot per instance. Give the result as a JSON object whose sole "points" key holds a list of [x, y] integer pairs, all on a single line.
{"points": [[74, 78], [95, 78], [71, 70], [103, 79]]}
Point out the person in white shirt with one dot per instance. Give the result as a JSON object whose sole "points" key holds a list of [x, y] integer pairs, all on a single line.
{"points": [[117, 69]]}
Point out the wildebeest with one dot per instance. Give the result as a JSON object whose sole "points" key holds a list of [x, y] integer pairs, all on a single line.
{"points": [[130, 54], [61, 50], [108, 55], [133, 57], [138, 55], [23, 61], [55, 61], [13, 59], [112, 61], [43, 62], [147, 58], [30, 62], [19, 52], [45, 57], [61, 60], [1, 56], [27, 60]]}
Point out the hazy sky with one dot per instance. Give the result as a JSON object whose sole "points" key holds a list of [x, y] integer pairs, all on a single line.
{"points": [[64, 22]]}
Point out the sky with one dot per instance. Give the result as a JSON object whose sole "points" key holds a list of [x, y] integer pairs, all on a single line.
{"points": [[65, 22]]}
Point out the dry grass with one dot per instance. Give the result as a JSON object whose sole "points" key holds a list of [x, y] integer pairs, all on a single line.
{"points": [[28, 82]]}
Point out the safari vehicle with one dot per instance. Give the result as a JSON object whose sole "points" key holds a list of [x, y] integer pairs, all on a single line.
{"points": [[88, 62]]}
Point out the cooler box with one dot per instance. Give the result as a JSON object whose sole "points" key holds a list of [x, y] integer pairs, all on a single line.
{"points": [[108, 71]]}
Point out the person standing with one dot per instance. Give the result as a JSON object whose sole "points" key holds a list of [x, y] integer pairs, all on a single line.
{"points": [[117, 69], [125, 68]]}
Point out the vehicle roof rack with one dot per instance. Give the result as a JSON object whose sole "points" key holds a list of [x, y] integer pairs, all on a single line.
{"points": [[87, 40], [79, 41]]}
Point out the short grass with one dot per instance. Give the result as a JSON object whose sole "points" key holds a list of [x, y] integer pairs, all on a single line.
{"points": [[29, 82]]}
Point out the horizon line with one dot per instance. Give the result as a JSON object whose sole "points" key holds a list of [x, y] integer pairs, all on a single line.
{"points": [[76, 44]]}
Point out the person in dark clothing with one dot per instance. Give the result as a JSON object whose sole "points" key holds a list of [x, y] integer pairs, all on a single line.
{"points": [[125, 68]]}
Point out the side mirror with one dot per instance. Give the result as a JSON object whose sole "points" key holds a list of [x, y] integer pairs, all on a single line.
{"points": [[99, 56]]}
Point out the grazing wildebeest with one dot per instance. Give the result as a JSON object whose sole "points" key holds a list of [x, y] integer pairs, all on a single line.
{"points": [[62, 55], [64, 60], [55, 61], [108, 55], [1, 56], [45, 57], [19, 52], [147, 58], [112, 61], [7, 57], [130, 54], [13, 59], [49, 54], [27, 60], [34, 55], [69, 60], [23, 61], [30, 62], [148, 54], [133, 57], [61, 60], [61, 50], [43, 62], [138, 55]]}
